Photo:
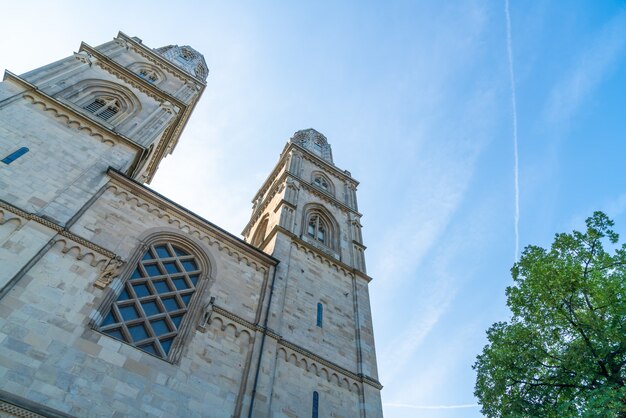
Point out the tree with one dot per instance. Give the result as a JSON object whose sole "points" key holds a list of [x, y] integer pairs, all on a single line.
{"points": [[563, 353]]}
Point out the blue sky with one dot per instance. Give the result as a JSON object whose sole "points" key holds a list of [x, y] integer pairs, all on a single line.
{"points": [[416, 100]]}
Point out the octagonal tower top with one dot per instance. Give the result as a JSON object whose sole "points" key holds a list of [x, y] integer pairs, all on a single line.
{"points": [[315, 142], [186, 58]]}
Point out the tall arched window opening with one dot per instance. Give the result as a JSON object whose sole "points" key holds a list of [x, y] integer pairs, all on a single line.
{"points": [[316, 405], [259, 234], [149, 311], [320, 315], [317, 229]]}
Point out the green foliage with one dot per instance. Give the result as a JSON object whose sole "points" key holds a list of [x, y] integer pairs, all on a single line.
{"points": [[563, 353]]}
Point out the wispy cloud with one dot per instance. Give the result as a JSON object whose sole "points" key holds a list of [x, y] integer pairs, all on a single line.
{"points": [[509, 46], [592, 66], [428, 310]]}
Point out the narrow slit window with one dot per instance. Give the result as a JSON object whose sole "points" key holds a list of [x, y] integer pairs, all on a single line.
{"points": [[317, 147], [316, 405], [320, 314], [15, 155]]}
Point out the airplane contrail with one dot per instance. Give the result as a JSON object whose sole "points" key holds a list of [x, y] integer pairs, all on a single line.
{"points": [[509, 45]]}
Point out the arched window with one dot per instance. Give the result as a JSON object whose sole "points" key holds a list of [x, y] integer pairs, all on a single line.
{"points": [[151, 307], [105, 100], [148, 75], [317, 229], [316, 405], [103, 107], [320, 229], [321, 181], [320, 314], [151, 73]]}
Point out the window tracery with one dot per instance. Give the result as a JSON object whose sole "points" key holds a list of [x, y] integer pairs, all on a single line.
{"points": [[154, 301], [150, 76], [148, 72], [317, 229], [320, 229], [321, 181]]}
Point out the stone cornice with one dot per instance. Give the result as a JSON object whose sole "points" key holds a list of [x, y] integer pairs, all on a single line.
{"points": [[358, 244], [130, 77], [310, 157], [325, 196], [158, 60], [295, 347], [277, 186], [347, 270], [172, 134], [319, 162], [57, 228], [74, 117], [358, 377], [270, 179], [161, 203]]}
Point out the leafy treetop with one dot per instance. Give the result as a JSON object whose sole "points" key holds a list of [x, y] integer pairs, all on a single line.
{"points": [[563, 353]]}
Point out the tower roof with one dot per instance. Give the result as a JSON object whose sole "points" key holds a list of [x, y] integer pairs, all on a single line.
{"points": [[315, 142], [186, 58]]}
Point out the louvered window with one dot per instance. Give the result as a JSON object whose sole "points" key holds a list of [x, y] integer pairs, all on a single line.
{"points": [[104, 108], [94, 106], [107, 113], [151, 308]]}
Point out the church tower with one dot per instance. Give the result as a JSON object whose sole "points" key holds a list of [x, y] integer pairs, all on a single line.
{"points": [[120, 106], [116, 301], [306, 216]]}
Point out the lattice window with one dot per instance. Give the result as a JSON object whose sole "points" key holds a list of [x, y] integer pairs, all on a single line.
{"points": [[317, 228], [103, 107], [150, 309]]}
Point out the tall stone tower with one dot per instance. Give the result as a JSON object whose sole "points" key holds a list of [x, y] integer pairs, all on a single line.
{"points": [[306, 216], [116, 301]]}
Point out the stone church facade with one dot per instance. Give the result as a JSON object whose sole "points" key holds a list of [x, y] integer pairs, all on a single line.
{"points": [[115, 301]]}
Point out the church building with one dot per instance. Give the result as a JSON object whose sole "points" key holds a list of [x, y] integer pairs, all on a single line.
{"points": [[116, 301]]}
